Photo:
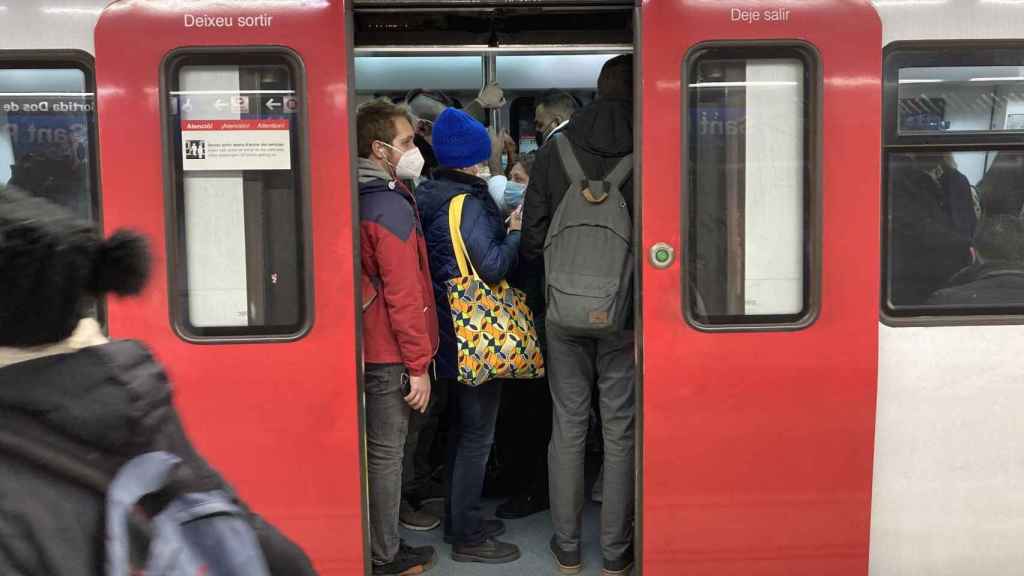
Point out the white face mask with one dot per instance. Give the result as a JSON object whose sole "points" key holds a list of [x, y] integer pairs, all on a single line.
{"points": [[410, 165]]}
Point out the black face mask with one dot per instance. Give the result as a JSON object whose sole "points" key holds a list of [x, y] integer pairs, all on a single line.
{"points": [[546, 134]]}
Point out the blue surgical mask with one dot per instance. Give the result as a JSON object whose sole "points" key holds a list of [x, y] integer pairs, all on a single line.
{"points": [[514, 195]]}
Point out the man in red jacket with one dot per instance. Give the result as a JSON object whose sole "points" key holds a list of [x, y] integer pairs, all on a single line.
{"points": [[399, 321]]}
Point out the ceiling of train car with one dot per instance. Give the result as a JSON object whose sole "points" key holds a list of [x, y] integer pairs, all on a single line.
{"points": [[493, 24]]}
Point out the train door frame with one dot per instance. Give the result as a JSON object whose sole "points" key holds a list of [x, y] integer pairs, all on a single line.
{"points": [[488, 56]]}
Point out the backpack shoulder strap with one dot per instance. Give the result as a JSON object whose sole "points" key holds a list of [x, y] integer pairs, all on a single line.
{"points": [[569, 161], [621, 171], [31, 441]]}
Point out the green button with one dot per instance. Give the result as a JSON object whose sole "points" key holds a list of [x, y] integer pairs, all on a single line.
{"points": [[662, 256]]}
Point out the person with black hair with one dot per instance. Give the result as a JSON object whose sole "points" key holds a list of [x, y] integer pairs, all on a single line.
{"points": [[554, 110], [601, 135], [59, 371]]}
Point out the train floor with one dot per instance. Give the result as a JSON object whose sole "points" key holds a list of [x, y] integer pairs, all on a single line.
{"points": [[531, 534]]}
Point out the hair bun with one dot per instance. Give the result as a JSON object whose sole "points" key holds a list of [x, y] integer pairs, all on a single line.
{"points": [[121, 264]]}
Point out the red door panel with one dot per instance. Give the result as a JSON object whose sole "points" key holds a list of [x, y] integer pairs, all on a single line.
{"points": [[757, 445], [280, 420]]}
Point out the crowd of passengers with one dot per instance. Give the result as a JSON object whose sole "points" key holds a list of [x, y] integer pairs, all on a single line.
{"points": [[953, 245], [73, 403], [415, 158]]}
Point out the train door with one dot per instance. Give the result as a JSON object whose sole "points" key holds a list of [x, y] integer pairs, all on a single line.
{"points": [[224, 139], [759, 226], [537, 52]]}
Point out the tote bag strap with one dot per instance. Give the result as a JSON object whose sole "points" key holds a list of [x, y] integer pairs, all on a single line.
{"points": [[455, 231]]}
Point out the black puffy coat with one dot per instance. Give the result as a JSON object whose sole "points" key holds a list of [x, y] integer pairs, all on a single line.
{"points": [[116, 399], [493, 252]]}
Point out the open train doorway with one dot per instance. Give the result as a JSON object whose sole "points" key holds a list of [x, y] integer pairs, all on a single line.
{"points": [[522, 72]]}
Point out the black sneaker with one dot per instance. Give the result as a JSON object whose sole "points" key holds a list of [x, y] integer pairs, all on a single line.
{"points": [[521, 506], [408, 562], [621, 567], [490, 551], [568, 561], [492, 528]]}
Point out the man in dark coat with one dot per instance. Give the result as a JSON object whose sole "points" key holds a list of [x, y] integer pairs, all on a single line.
{"points": [[60, 375], [601, 134], [996, 278], [463, 146]]}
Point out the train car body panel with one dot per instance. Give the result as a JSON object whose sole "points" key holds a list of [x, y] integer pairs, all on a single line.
{"points": [[281, 420], [49, 25], [757, 445], [948, 474]]}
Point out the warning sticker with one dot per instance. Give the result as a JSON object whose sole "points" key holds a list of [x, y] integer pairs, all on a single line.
{"points": [[236, 144]]}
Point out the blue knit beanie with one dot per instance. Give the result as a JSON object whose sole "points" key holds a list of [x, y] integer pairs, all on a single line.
{"points": [[459, 140]]}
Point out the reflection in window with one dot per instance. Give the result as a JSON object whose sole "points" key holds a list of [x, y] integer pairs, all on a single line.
{"points": [[237, 194], [46, 123], [954, 230], [961, 98], [748, 190]]}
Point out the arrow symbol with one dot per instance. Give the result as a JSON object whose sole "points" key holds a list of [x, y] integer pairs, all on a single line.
{"points": [[271, 104], [220, 104]]}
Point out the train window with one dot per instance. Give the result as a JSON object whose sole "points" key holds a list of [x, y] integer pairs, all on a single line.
{"points": [[954, 162], [546, 71], [387, 74], [47, 132], [752, 191], [239, 246]]}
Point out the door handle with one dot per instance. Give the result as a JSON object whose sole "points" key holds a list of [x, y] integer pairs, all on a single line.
{"points": [[662, 255]]}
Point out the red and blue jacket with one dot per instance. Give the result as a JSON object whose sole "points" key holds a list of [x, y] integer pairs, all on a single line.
{"points": [[399, 322]]}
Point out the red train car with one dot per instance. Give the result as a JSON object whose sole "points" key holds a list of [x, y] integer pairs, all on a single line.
{"points": [[225, 135]]}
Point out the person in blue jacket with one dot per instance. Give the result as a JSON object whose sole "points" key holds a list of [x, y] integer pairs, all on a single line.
{"points": [[463, 147]]}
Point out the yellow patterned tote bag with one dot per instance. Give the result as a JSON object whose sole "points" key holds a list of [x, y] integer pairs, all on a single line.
{"points": [[494, 328]]}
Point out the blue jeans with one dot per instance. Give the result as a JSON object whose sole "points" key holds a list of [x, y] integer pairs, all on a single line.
{"points": [[473, 413]]}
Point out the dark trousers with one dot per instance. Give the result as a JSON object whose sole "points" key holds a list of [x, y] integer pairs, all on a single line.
{"points": [[473, 414], [423, 430], [387, 420], [524, 430]]}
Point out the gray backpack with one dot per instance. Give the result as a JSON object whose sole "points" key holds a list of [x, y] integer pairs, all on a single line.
{"points": [[194, 534], [588, 252]]}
